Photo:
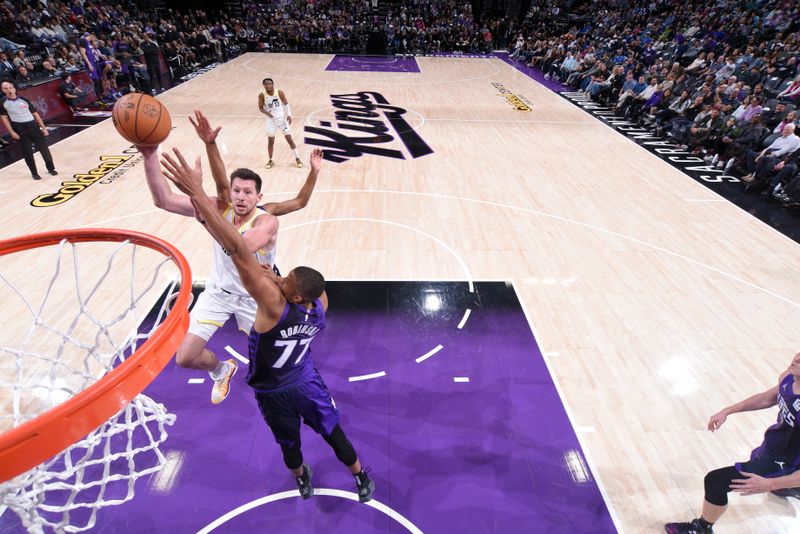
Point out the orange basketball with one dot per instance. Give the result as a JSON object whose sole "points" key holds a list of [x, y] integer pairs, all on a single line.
{"points": [[141, 119]]}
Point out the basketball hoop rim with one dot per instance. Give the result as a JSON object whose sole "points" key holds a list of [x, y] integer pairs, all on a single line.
{"points": [[41, 438]]}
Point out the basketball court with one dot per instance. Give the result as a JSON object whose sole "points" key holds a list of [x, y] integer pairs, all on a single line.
{"points": [[532, 318]]}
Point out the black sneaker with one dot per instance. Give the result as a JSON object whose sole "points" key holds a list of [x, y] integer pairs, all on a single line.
{"points": [[36, 177], [53, 172], [788, 492], [693, 527], [365, 487], [304, 483]]}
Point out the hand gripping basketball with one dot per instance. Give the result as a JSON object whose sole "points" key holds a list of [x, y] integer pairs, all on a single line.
{"points": [[141, 119]]}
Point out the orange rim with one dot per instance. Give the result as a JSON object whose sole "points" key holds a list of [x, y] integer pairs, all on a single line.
{"points": [[41, 438]]}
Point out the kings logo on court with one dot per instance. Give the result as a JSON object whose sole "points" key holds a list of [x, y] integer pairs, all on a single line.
{"points": [[365, 123]]}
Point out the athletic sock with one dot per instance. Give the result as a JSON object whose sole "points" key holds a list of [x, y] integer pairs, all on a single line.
{"points": [[218, 371], [296, 154], [705, 524], [304, 477]]}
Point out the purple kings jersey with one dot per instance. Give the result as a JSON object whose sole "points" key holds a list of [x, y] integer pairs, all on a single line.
{"points": [[783, 438], [281, 358]]}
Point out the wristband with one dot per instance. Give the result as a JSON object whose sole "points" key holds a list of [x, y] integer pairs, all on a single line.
{"points": [[288, 110]]}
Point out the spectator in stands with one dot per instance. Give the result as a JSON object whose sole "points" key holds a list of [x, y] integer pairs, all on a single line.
{"points": [[62, 57], [630, 93], [761, 163], [75, 54], [773, 117], [783, 174], [701, 131], [722, 141], [71, 66], [23, 77], [671, 109], [48, 70], [6, 66], [152, 57], [791, 93], [72, 95], [21, 60], [634, 106]]}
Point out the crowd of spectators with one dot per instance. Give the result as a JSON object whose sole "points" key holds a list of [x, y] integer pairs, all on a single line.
{"points": [[719, 78], [120, 45], [423, 27]]}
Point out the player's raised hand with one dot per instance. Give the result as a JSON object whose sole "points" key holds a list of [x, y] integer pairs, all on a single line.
{"points": [[316, 159], [269, 273], [188, 179], [203, 128], [716, 420]]}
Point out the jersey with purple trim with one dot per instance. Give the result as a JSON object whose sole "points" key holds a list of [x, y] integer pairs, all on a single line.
{"points": [[281, 358], [783, 438]]}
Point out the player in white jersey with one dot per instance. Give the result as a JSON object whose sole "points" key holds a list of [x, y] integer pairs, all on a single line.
{"points": [[272, 103], [224, 295]]}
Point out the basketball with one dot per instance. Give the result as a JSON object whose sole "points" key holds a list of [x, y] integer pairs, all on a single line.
{"points": [[141, 119]]}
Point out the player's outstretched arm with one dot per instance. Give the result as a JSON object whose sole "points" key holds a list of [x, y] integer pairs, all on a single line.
{"points": [[759, 401], [208, 135], [163, 196], [190, 181], [304, 195]]}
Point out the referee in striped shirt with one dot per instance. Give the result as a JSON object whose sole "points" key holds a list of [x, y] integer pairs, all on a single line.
{"points": [[20, 118]]}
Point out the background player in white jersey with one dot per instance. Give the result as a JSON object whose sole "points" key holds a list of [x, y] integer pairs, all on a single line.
{"points": [[224, 295], [272, 103]]}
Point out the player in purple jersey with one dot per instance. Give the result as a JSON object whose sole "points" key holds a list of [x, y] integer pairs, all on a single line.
{"points": [[290, 312], [773, 466]]}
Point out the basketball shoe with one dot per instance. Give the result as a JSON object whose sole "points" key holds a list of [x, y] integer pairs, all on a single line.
{"points": [[298, 163], [270, 164], [304, 483], [693, 527], [222, 385], [365, 486]]}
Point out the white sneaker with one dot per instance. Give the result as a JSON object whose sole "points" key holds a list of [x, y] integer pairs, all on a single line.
{"points": [[223, 386]]}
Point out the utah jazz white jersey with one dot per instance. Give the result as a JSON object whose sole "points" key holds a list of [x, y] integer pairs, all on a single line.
{"points": [[273, 104], [224, 273]]}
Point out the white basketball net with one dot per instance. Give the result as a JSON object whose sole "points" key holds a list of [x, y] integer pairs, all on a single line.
{"points": [[76, 335]]}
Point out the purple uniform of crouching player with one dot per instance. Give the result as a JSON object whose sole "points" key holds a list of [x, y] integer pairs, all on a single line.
{"points": [[290, 312], [773, 466]]}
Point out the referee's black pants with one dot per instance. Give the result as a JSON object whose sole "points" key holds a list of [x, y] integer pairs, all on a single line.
{"points": [[30, 133]]}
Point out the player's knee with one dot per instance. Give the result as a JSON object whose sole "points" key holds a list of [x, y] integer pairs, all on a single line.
{"points": [[292, 456], [187, 355], [717, 485], [342, 447]]}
